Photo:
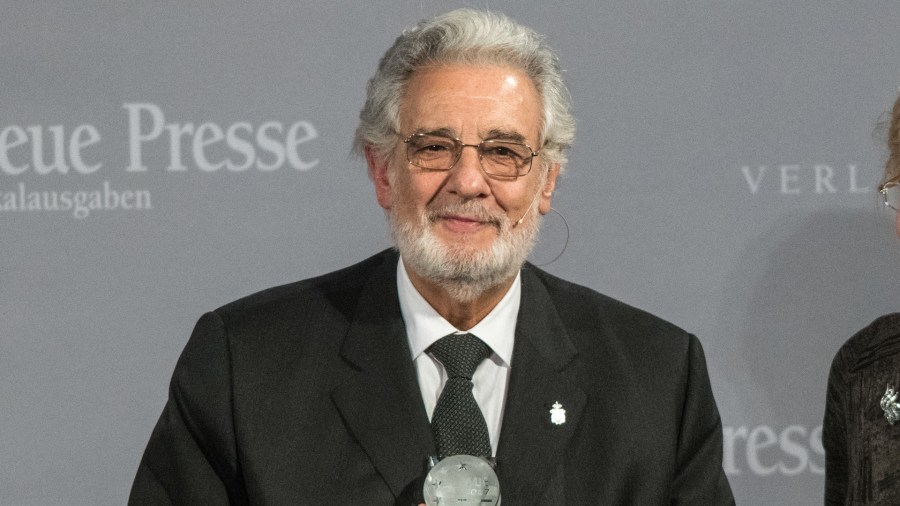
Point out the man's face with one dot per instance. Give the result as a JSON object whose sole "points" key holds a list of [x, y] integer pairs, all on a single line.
{"points": [[458, 225]]}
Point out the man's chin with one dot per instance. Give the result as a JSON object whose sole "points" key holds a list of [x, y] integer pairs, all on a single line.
{"points": [[464, 265], [466, 255], [468, 241]]}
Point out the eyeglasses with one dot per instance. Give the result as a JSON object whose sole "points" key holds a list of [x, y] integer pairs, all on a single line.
{"points": [[890, 190], [501, 159]]}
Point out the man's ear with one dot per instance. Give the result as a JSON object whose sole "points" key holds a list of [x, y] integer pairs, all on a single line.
{"points": [[549, 186], [378, 173]]}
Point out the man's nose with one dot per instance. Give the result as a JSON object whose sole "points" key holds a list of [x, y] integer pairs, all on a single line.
{"points": [[467, 178]]}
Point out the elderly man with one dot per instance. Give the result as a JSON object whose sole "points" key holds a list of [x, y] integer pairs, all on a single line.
{"points": [[337, 389]]}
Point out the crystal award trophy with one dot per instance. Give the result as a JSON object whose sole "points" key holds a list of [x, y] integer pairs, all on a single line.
{"points": [[461, 480]]}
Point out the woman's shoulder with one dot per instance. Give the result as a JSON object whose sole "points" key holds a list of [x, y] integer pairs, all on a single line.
{"points": [[879, 339]]}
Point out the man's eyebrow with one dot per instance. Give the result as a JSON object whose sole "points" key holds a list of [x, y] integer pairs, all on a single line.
{"points": [[494, 134], [445, 132], [499, 134]]}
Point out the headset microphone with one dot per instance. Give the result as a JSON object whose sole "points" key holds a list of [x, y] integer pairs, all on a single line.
{"points": [[536, 195]]}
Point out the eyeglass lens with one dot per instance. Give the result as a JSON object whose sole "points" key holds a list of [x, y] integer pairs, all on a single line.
{"points": [[892, 197]]}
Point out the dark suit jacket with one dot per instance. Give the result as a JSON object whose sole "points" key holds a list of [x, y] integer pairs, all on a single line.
{"points": [[307, 394]]}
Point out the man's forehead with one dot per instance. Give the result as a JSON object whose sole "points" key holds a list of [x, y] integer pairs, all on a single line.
{"points": [[502, 77], [493, 101]]}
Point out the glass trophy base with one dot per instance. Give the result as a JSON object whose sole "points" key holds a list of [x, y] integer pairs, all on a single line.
{"points": [[462, 480]]}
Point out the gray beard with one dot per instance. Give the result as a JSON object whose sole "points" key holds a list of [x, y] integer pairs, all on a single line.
{"points": [[464, 273]]}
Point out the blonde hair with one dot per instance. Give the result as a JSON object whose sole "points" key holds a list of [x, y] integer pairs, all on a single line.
{"points": [[892, 165]]}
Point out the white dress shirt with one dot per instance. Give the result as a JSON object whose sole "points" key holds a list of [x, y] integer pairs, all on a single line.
{"points": [[424, 326]]}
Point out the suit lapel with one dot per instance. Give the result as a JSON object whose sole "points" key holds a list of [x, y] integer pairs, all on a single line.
{"points": [[382, 405], [531, 445], [380, 401]]}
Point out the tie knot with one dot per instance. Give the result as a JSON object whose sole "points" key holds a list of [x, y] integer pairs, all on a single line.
{"points": [[460, 354]]}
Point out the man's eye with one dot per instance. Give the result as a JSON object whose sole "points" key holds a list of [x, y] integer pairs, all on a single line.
{"points": [[501, 152], [433, 148]]}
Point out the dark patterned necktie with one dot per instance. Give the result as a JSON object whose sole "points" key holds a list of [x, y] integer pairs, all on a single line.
{"points": [[457, 423]]}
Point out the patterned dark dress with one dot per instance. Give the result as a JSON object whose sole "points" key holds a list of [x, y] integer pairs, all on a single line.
{"points": [[862, 450]]}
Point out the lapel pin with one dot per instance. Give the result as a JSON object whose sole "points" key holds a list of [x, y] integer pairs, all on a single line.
{"points": [[558, 414], [890, 406]]}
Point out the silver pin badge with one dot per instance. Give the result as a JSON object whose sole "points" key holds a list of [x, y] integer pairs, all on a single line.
{"points": [[557, 414], [890, 405]]}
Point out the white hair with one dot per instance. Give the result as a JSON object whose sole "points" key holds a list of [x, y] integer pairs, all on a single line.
{"points": [[471, 37]]}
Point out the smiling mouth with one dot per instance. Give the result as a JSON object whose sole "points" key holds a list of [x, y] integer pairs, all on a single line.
{"points": [[462, 219], [464, 215], [464, 222]]}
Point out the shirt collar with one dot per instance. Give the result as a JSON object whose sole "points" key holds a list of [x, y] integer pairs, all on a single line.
{"points": [[424, 325]]}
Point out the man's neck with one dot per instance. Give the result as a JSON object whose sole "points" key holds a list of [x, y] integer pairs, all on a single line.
{"points": [[462, 315]]}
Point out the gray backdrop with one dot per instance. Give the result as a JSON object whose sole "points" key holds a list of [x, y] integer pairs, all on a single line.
{"points": [[723, 177]]}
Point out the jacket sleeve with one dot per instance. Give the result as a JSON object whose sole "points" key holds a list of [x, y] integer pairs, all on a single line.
{"points": [[699, 477], [191, 456], [834, 427]]}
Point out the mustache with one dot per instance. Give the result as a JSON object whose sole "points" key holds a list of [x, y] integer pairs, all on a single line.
{"points": [[469, 209]]}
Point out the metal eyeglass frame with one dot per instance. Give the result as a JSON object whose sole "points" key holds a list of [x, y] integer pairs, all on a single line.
{"points": [[883, 189], [478, 148]]}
